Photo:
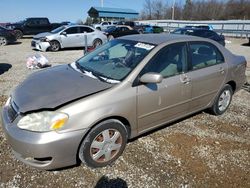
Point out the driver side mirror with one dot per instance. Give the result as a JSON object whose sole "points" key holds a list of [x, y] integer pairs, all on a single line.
{"points": [[151, 78], [64, 33]]}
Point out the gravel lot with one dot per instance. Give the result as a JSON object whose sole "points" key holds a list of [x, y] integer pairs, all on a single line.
{"points": [[199, 151]]}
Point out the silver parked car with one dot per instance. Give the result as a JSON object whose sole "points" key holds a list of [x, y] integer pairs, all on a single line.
{"points": [[88, 110], [67, 37]]}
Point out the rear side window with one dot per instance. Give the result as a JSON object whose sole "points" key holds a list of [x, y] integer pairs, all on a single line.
{"points": [[44, 22], [204, 55], [86, 29]]}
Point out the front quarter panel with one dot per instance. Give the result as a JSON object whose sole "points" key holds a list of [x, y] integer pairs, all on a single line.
{"points": [[119, 101]]}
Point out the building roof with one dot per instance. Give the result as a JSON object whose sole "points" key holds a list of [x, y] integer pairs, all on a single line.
{"points": [[160, 38], [107, 12]]}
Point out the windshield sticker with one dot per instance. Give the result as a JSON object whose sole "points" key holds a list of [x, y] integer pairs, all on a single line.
{"points": [[144, 46]]}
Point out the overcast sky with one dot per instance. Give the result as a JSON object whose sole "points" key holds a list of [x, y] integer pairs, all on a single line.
{"points": [[58, 10]]}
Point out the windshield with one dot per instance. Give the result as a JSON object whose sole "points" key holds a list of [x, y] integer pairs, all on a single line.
{"points": [[57, 30], [115, 59]]}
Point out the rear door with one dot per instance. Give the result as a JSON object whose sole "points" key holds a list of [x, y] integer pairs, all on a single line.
{"points": [[89, 33], [207, 70], [168, 100]]}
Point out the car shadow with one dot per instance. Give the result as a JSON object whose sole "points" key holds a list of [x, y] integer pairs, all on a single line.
{"points": [[27, 37], [245, 44], [15, 43], [105, 182], [4, 67], [72, 49]]}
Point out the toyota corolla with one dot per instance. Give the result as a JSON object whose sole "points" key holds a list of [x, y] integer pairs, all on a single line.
{"points": [[89, 109]]}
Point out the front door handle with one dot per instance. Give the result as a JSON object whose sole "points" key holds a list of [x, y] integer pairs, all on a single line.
{"points": [[185, 79]]}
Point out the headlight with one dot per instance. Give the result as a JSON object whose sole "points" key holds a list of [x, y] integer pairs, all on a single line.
{"points": [[43, 121], [44, 39]]}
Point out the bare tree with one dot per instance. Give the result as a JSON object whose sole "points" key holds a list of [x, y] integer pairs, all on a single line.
{"points": [[197, 10]]}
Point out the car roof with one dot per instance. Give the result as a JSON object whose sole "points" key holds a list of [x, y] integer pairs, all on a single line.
{"points": [[160, 38], [195, 29], [124, 26]]}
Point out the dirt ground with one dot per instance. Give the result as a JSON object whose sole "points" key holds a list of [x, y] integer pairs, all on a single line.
{"points": [[199, 151]]}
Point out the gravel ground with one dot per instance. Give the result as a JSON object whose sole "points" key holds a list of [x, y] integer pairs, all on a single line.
{"points": [[199, 151]]}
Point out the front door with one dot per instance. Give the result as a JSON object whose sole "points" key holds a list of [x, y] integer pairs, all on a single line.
{"points": [[168, 100], [71, 38]]}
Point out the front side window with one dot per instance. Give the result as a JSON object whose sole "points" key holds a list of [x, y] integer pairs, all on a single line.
{"points": [[204, 55], [170, 61], [115, 59], [72, 30]]}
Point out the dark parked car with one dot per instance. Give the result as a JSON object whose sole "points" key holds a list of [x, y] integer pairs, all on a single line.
{"points": [[201, 33], [6, 36], [32, 26], [119, 30]]}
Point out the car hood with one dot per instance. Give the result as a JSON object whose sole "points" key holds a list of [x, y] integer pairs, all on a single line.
{"points": [[54, 87], [41, 35]]}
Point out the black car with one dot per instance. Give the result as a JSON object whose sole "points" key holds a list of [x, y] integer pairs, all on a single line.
{"points": [[32, 26], [118, 31], [205, 33], [6, 36]]}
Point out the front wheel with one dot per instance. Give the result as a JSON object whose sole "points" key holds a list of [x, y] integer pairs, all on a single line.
{"points": [[54, 46], [222, 101], [104, 144]]}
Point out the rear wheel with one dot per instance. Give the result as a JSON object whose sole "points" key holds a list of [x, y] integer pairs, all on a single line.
{"points": [[54, 46], [222, 101], [104, 144], [97, 42], [3, 41], [18, 33]]}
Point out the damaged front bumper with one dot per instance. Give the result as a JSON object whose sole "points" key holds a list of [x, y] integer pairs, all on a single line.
{"points": [[41, 46]]}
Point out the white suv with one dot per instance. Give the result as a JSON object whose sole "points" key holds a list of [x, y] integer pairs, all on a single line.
{"points": [[104, 25]]}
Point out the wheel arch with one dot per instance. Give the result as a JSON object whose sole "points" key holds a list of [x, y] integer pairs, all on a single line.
{"points": [[120, 118], [232, 84]]}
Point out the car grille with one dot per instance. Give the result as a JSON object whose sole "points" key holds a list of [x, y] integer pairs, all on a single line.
{"points": [[12, 113]]}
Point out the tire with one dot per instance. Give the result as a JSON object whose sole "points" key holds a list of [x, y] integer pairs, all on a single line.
{"points": [[3, 41], [54, 46], [97, 42], [19, 34], [222, 101], [110, 37], [103, 144]]}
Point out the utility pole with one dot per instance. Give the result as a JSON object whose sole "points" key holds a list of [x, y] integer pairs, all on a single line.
{"points": [[173, 10], [102, 3]]}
